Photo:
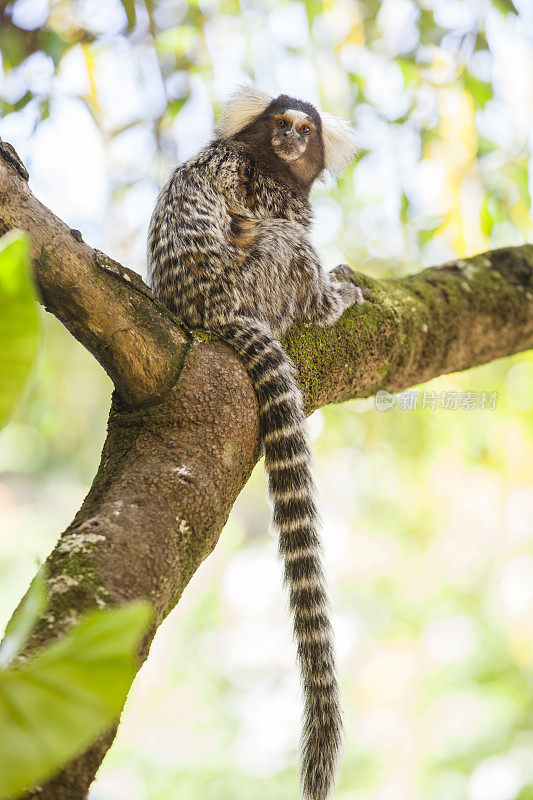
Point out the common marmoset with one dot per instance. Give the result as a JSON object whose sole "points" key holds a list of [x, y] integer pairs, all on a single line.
{"points": [[229, 251]]}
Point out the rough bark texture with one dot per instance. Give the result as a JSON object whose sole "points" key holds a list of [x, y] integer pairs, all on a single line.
{"points": [[118, 321], [183, 428]]}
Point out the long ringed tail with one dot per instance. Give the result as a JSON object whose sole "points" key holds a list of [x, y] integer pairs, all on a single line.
{"points": [[292, 490]]}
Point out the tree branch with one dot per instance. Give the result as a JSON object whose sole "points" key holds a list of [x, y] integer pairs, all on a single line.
{"points": [[119, 321], [174, 462], [412, 329]]}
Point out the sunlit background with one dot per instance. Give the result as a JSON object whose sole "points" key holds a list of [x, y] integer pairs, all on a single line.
{"points": [[428, 513]]}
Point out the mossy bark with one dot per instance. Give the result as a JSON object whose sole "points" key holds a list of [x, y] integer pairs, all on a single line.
{"points": [[183, 429], [409, 330]]}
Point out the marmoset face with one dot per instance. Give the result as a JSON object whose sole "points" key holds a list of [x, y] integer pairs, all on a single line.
{"points": [[292, 132], [288, 135]]}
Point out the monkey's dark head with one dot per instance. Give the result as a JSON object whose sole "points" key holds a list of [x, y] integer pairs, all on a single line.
{"points": [[294, 129], [289, 133]]}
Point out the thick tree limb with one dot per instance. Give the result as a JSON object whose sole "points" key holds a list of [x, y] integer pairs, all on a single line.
{"points": [[131, 336], [440, 320], [181, 444]]}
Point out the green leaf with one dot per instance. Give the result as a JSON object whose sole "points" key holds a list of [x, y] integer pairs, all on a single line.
{"points": [[12, 45], [129, 8], [19, 320], [480, 90], [54, 707], [177, 40], [520, 177], [409, 70], [44, 109], [426, 234], [53, 45], [481, 42], [230, 7], [313, 8], [507, 6], [21, 623], [23, 102], [490, 214], [404, 208], [18, 105], [175, 106], [430, 32], [485, 146]]}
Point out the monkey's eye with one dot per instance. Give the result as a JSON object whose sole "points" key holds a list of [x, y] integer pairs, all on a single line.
{"points": [[281, 123], [305, 129]]}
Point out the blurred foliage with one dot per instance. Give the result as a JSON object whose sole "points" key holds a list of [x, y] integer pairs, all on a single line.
{"points": [[427, 513], [54, 706], [19, 320], [422, 80]]}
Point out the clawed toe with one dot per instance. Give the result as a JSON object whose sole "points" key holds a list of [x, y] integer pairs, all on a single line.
{"points": [[346, 275], [359, 299]]}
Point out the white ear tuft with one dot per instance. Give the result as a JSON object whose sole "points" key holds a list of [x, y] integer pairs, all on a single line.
{"points": [[340, 144], [242, 107]]}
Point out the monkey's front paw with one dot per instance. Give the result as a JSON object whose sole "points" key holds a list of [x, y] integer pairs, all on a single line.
{"points": [[351, 294], [350, 289]]}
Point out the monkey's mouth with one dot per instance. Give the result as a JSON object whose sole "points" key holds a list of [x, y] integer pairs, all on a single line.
{"points": [[288, 149]]}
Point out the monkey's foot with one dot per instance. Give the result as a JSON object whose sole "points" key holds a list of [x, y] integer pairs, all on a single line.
{"points": [[343, 273]]}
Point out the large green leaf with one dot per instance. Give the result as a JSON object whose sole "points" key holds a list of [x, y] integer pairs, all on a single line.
{"points": [[54, 707], [19, 320], [21, 623]]}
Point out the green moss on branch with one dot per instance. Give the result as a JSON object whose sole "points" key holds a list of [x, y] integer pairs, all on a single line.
{"points": [[409, 330]]}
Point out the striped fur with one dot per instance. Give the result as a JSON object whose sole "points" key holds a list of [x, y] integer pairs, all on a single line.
{"points": [[291, 487], [249, 287]]}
